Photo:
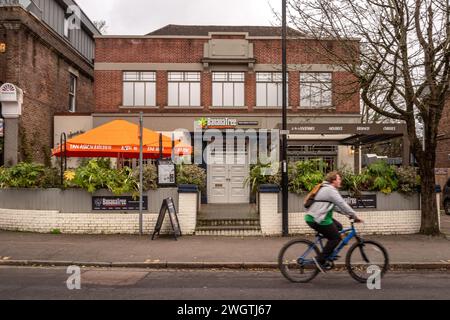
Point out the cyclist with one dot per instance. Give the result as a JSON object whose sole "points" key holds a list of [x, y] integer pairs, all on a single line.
{"points": [[320, 215]]}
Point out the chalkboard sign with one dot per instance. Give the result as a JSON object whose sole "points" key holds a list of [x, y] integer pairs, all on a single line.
{"points": [[168, 206]]}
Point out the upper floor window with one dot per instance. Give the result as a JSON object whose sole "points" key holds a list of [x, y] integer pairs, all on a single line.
{"points": [[184, 89], [139, 89], [228, 89], [316, 90], [66, 28], [72, 92], [269, 89]]}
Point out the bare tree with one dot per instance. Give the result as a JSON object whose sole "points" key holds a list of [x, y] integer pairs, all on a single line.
{"points": [[101, 26], [399, 52]]}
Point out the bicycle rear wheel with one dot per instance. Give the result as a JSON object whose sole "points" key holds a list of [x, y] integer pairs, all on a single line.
{"points": [[295, 261], [364, 259]]}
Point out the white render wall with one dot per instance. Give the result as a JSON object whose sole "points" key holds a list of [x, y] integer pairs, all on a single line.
{"points": [[98, 223], [376, 222]]}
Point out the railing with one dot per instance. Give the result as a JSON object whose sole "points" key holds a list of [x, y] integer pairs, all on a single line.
{"points": [[28, 5]]}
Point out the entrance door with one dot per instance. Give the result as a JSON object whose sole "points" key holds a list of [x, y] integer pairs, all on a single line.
{"points": [[226, 183]]}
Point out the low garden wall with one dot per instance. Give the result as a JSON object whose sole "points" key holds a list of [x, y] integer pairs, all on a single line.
{"points": [[394, 214], [70, 211]]}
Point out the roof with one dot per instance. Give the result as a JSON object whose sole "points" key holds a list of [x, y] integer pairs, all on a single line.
{"points": [[199, 30]]}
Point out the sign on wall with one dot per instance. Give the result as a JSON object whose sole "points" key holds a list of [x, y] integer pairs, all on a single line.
{"points": [[362, 202], [117, 204]]}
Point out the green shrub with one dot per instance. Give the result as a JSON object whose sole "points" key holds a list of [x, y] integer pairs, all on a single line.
{"points": [[354, 183], [408, 179], [263, 174], [305, 175], [24, 175], [95, 175], [381, 177], [150, 177], [191, 174], [4, 177]]}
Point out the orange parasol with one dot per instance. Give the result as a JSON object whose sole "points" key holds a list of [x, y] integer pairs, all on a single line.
{"points": [[120, 139]]}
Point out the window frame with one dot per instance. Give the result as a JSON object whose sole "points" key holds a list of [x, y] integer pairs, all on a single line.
{"points": [[141, 77], [184, 79], [319, 84], [228, 80], [275, 78], [73, 94]]}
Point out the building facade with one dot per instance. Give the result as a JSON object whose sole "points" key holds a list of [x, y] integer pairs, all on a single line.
{"points": [[443, 149], [48, 52], [224, 78]]}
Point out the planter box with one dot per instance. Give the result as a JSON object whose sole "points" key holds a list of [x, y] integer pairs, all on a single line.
{"points": [[393, 202], [72, 200]]}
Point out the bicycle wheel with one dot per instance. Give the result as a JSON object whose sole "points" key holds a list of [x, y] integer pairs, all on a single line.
{"points": [[365, 259], [295, 261]]}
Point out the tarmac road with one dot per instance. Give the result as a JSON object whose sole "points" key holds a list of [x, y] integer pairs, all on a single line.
{"points": [[50, 283]]}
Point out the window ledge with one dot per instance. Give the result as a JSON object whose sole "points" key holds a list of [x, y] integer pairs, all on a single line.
{"points": [[316, 108], [183, 108], [271, 108], [139, 107], [228, 108]]}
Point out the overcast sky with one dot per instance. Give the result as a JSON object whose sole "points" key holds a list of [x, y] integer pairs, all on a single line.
{"points": [[143, 16]]}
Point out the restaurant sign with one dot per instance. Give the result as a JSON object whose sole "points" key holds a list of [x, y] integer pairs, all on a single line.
{"points": [[117, 204], [225, 123], [362, 202], [347, 129]]}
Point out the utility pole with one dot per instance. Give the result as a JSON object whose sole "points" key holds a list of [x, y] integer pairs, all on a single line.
{"points": [[284, 163], [141, 173]]}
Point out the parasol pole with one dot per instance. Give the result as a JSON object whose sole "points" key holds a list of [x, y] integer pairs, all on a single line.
{"points": [[141, 172]]}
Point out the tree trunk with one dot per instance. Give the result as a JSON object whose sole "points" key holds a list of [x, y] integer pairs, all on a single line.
{"points": [[430, 218]]}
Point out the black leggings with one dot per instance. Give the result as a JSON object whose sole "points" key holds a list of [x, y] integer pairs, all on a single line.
{"points": [[330, 232]]}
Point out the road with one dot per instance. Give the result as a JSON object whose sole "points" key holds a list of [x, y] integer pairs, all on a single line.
{"points": [[51, 283]]}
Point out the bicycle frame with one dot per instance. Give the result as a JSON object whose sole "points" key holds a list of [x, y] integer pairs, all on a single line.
{"points": [[352, 233]]}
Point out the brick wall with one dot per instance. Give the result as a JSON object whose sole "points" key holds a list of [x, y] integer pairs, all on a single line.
{"points": [[38, 62], [108, 86], [98, 223], [377, 222], [443, 149]]}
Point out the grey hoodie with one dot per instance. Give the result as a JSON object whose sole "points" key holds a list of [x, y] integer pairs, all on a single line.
{"points": [[334, 200]]}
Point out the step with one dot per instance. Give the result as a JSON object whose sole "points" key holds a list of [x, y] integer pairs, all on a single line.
{"points": [[229, 232], [228, 222]]}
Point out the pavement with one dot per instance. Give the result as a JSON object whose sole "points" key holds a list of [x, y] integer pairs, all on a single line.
{"points": [[28, 249]]}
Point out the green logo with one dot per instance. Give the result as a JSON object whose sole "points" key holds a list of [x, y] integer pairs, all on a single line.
{"points": [[203, 123]]}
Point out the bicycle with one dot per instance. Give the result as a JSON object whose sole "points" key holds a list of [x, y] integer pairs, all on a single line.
{"points": [[359, 260]]}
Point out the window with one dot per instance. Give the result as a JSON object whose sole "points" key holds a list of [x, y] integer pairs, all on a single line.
{"points": [[269, 89], [184, 89], [228, 89], [316, 90], [66, 28], [72, 93], [139, 89]]}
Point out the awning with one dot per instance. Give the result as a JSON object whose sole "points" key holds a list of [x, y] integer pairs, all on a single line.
{"points": [[120, 139]]}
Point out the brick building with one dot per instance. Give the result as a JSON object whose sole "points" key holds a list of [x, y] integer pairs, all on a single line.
{"points": [[443, 149], [52, 63], [227, 77]]}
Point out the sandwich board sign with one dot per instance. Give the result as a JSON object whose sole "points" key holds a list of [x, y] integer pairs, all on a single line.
{"points": [[168, 207]]}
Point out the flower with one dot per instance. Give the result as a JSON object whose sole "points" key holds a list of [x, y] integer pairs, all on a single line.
{"points": [[69, 175]]}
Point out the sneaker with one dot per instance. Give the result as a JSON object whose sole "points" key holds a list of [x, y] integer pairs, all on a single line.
{"points": [[319, 266]]}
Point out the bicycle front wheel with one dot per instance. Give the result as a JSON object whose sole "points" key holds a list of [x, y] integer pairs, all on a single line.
{"points": [[365, 259], [295, 261]]}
